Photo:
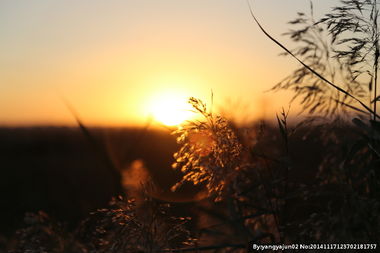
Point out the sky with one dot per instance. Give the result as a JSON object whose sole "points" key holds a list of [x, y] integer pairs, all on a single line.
{"points": [[117, 61]]}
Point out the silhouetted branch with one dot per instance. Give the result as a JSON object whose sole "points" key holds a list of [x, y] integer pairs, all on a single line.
{"points": [[307, 66]]}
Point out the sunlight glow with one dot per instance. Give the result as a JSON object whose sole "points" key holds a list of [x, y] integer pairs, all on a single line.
{"points": [[171, 109]]}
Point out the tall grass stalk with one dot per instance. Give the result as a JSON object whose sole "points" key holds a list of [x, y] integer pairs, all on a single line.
{"points": [[357, 55]]}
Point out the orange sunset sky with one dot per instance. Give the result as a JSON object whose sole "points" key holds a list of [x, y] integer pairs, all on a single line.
{"points": [[120, 61]]}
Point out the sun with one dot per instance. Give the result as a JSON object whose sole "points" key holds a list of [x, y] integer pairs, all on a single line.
{"points": [[170, 109]]}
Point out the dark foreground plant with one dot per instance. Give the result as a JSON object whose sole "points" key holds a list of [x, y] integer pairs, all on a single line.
{"points": [[130, 227], [122, 227], [43, 234], [345, 41]]}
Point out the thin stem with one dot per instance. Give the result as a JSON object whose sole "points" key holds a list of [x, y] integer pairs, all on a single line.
{"points": [[273, 209], [376, 61], [375, 83]]}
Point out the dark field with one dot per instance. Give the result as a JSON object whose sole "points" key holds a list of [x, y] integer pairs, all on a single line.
{"points": [[58, 170], [68, 175]]}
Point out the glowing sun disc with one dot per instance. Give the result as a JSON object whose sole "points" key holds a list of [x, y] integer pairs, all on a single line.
{"points": [[171, 110]]}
